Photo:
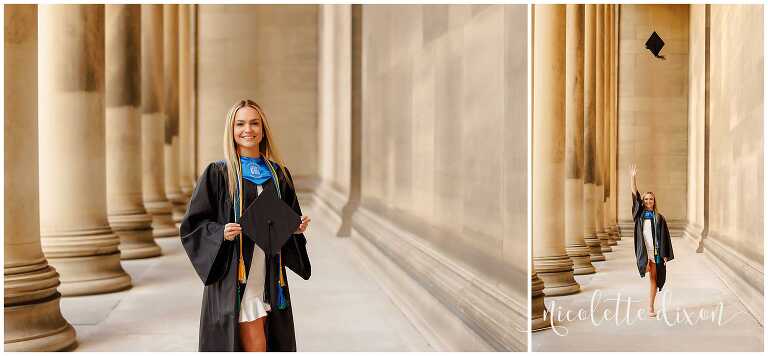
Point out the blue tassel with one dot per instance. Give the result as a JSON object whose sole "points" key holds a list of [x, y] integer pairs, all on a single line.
{"points": [[281, 302]]}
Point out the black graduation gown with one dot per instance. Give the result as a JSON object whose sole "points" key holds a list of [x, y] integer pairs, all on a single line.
{"points": [[215, 260], [660, 235]]}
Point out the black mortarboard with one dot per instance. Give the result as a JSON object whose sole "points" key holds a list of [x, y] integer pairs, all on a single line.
{"points": [[655, 44], [269, 221]]}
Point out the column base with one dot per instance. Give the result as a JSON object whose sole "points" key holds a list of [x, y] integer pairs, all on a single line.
{"points": [[538, 309], [33, 320], [616, 232], [179, 206], [557, 274], [580, 257], [38, 327], [596, 257], [88, 275], [162, 221], [612, 240], [135, 232], [604, 243], [178, 213], [626, 228], [595, 251]]}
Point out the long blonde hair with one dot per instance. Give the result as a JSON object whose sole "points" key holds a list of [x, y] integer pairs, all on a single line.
{"points": [[267, 146]]}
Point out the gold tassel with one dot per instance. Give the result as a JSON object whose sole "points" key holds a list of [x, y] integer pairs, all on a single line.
{"points": [[241, 264]]}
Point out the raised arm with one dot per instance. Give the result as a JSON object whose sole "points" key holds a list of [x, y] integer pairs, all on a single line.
{"points": [[633, 178], [636, 202]]}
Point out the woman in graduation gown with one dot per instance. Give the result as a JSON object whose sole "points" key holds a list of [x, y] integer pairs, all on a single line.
{"points": [[224, 260], [653, 246]]}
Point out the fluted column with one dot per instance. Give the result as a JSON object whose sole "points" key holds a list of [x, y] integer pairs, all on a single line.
{"points": [[590, 174], [125, 205], [153, 122], [33, 320], [552, 264], [76, 236], [186, 155], [575, 245], [171, 96], [600, 133]]}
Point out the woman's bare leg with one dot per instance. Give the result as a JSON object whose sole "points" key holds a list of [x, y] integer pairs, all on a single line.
{"points": [[652, 277], [252, 335]]}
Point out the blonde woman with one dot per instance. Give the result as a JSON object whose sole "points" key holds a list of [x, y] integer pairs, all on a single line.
{"points": [[653, 246], [246, 303]]}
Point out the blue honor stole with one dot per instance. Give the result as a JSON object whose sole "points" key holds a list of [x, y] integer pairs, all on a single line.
{"points": [[650, 215]]}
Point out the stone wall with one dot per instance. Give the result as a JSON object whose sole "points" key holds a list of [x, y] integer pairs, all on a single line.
{"points": [[653, 107], [444, 151], [267, 53], [736, 148]]}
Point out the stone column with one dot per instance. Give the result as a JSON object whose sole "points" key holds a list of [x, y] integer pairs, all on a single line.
{"points": [[125, 206], [171, 96], [575, 245], [614, 135], [608, 175], [590, 174], [600, 132], [186, 155], [550, 259], [33, 320], [193, 53], [153, 122], [76, 236]]}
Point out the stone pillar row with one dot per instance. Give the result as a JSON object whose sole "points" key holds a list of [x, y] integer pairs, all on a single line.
{"points": [[89, 188], [552, 263], [574, 151]]}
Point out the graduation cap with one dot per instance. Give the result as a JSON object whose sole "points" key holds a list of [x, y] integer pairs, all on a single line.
{"points": [[269, 222], [655, 44]]}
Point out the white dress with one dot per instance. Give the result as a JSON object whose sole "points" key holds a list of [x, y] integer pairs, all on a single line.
{"points": [[252, 305], [648, 237]]}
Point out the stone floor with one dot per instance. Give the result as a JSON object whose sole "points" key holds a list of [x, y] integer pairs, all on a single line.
{"points": [[691, 286], [341, 308]]}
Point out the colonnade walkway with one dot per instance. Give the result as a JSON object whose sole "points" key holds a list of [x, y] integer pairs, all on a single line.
{"points": [[341, 307], [691, 286]]}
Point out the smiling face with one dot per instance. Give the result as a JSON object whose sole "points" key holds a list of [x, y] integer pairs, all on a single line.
{"points": [[247, 129], [649, 201]]}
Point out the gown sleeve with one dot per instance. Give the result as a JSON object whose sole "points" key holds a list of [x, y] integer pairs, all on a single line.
{"points": [[667, 252], [637, 204], [295, 252], [201, 234]]}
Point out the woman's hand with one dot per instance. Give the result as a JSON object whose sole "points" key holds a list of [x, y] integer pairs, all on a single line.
{"points": [[632, 177], [231, 230], [303, 226], [665, 261]]}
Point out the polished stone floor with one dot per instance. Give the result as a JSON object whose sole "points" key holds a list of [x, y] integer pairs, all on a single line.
{"points": [[693, 293], [341, 308]]}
